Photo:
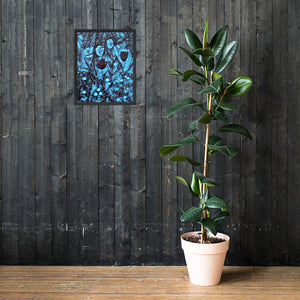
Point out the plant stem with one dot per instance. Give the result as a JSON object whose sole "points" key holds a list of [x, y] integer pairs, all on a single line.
{"points": [[205, 169]]}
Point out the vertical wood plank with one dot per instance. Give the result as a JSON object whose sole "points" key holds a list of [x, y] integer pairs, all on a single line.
{"points": [[279, 217], [180, 90], [1, 137], [263, 175], [169, 132], [74, 141], [26, 126], [246, 214], [89, 156], [122, 157], [231, 168], [10, 133], [293, 133], [153, 131], [106, 158], [43, 133], [137, 142], [58, 132]]}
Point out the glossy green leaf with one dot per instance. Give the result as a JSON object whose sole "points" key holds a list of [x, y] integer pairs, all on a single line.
{"points": [[210, 225], [232, 151], [203, 179], [175, 72], [235, 128], [167, 149], [228, 106], [192, 56], [204, 52], [195, 184], [187, 74], [182, 180], [193, 214], [226, 150], [198, 80], [178, 157], [210, 64], [226, 56], [215, 140], [215, 202], [215, 76], [187, 102], [217, 115], [226, 103], [192, 39], [205, 119], [218, 41], [223, 149], [240, 87], [205, 34], [217, 144], [193, 125], [203, 61], [205, 196], [218, 218], [212, 88]]}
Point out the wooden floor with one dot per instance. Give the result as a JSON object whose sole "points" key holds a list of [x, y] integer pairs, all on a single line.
{"points": [[23, 282]]}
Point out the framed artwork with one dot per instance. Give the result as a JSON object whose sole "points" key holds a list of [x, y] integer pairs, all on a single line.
{"points": [[105, 66]]}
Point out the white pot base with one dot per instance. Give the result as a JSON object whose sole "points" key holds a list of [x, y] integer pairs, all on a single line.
{"points": [[205, 261]]}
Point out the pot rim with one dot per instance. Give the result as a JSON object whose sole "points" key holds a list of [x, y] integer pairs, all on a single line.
{"points": [[205, 248]]}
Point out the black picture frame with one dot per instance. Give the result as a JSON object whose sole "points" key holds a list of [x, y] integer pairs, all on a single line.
{"points": [[105, 67]]}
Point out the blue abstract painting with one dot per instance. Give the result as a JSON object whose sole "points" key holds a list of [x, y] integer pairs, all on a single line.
{"points": [[105, 67]]}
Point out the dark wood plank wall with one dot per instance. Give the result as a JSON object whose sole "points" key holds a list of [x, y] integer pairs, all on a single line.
{"points": [[85, 184]]}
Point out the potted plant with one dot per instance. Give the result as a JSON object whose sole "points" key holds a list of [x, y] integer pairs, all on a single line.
{"points": [[205, 251]]}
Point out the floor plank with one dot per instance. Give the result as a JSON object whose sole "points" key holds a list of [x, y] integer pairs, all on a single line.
{"points": [[50, 282]]}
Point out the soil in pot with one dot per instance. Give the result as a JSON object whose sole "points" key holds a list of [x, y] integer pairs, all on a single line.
{"points": [[197, 239]]}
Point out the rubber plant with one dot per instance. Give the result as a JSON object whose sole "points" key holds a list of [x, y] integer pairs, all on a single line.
{"points": [[214, 104]]}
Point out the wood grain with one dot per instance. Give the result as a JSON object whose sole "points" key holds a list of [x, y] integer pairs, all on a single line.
{"points": [[153, 132], [145, 283], [248, 109], [169, 208], [138, 144], [279, 210], [293, 132], [10, 135], [26, 124], [106, 159], [1, 137], [58, 146], [122, 158], [74, 142], [42, 133], [85, 185], [90, 165], [181, 90]]}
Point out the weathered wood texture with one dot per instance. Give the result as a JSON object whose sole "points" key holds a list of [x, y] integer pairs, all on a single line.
{"points": [[158, 282], [85, 185]]}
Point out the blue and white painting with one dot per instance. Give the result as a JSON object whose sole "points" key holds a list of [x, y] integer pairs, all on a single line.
{"points": [[105, 67]]}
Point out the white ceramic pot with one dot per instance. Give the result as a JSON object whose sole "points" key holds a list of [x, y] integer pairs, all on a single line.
{"points": [[205, 261]]}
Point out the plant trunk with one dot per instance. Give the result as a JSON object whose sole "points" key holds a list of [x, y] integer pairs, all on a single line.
{"points": [[204, 236]]}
